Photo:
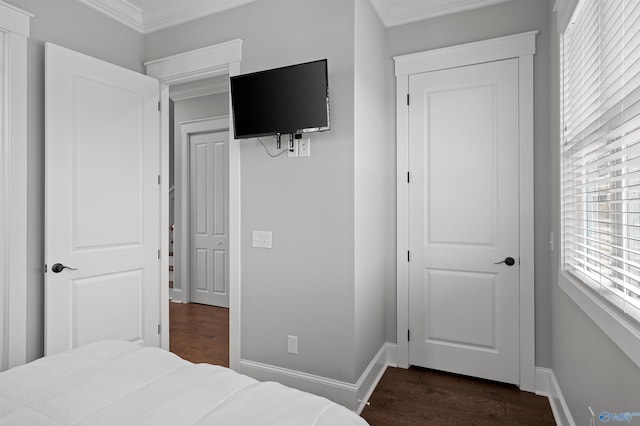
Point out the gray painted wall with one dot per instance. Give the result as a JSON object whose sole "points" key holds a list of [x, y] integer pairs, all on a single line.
{"points": [[304, 285], [515, 16], [73, 25], [373, 171]]}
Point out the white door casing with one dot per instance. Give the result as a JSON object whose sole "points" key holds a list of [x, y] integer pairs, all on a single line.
{"points": [[15, 27], [521, 47], [463, 219], [102, 198], [211, 61]]}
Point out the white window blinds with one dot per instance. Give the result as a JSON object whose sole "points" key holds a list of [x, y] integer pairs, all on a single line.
{"points": [[600, 76]]}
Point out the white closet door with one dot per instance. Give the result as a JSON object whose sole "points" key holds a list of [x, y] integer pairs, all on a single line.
{"points": [[209, 236], [463, 155]]}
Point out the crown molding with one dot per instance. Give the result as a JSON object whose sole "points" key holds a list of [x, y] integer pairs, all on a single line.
{"points": [[162, 14], [153, 16], [175, 13], [120, 10], [400, 12]]}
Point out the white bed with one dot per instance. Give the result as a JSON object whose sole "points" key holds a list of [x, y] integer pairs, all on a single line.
{"points": [[120, 383]]}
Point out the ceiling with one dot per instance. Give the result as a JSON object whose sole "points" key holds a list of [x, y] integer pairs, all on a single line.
{"points": [[147, 16]]}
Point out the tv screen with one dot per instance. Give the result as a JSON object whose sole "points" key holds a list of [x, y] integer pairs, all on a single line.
{"points": [[287, 100]]}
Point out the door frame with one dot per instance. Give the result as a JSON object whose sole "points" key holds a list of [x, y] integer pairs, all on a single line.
{"points": [[15, 272], [522, 47], [211, 61], [181, 184]]}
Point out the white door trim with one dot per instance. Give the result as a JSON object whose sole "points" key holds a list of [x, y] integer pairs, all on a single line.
{"points": [[14, 32], [215, 60], [521, 46], [181, 176]]}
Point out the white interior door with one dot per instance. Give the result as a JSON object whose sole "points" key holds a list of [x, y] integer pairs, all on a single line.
{"points": [[209, 236], [102, 202], [463, 158]]}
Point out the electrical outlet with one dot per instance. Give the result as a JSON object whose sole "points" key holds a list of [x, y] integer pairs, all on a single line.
{"points": [[292, 345], [304, 148]]}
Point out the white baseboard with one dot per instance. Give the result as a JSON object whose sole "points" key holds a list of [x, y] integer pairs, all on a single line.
{"points": [[355, 396], [352, 395], [547, 385], [176, 294], [392, 354], [370, 377]]}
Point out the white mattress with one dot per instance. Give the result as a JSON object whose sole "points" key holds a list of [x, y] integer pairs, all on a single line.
{"points": [[120, 383]]}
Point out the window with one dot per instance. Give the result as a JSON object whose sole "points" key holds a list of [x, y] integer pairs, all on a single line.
{"points": [[600, 108]]}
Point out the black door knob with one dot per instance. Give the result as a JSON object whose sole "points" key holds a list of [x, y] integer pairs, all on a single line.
{"points": [[509, 261], [59, 267]]}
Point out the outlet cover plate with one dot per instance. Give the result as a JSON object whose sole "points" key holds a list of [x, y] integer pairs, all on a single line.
{"points": [[292, 345]]}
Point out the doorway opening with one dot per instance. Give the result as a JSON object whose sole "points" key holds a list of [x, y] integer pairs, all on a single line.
{"points": [[199, 220], [191, 66]]}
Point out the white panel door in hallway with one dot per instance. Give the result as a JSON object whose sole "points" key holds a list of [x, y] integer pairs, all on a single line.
{"points": [[102, 219], [464, 220], [208, 222]]}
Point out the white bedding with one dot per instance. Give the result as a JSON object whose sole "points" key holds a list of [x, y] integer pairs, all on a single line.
{"points": [[120, 383]]}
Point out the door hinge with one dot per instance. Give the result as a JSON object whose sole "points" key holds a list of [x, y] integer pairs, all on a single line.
{"points": [[159, 328], [408, 177], [158, 254], [408, 256], [159, 106], [159, 179], [408, 335], [408, 103]]}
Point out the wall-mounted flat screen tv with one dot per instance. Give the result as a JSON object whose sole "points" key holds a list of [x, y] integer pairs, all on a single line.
{"points": [[280, 101]]}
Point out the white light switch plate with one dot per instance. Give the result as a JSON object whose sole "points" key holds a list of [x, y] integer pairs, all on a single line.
{"points": [[261, 239]]}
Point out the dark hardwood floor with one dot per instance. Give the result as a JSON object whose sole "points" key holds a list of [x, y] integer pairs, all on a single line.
{"points": [[415, 396], [425, 397], [199, 333]]}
